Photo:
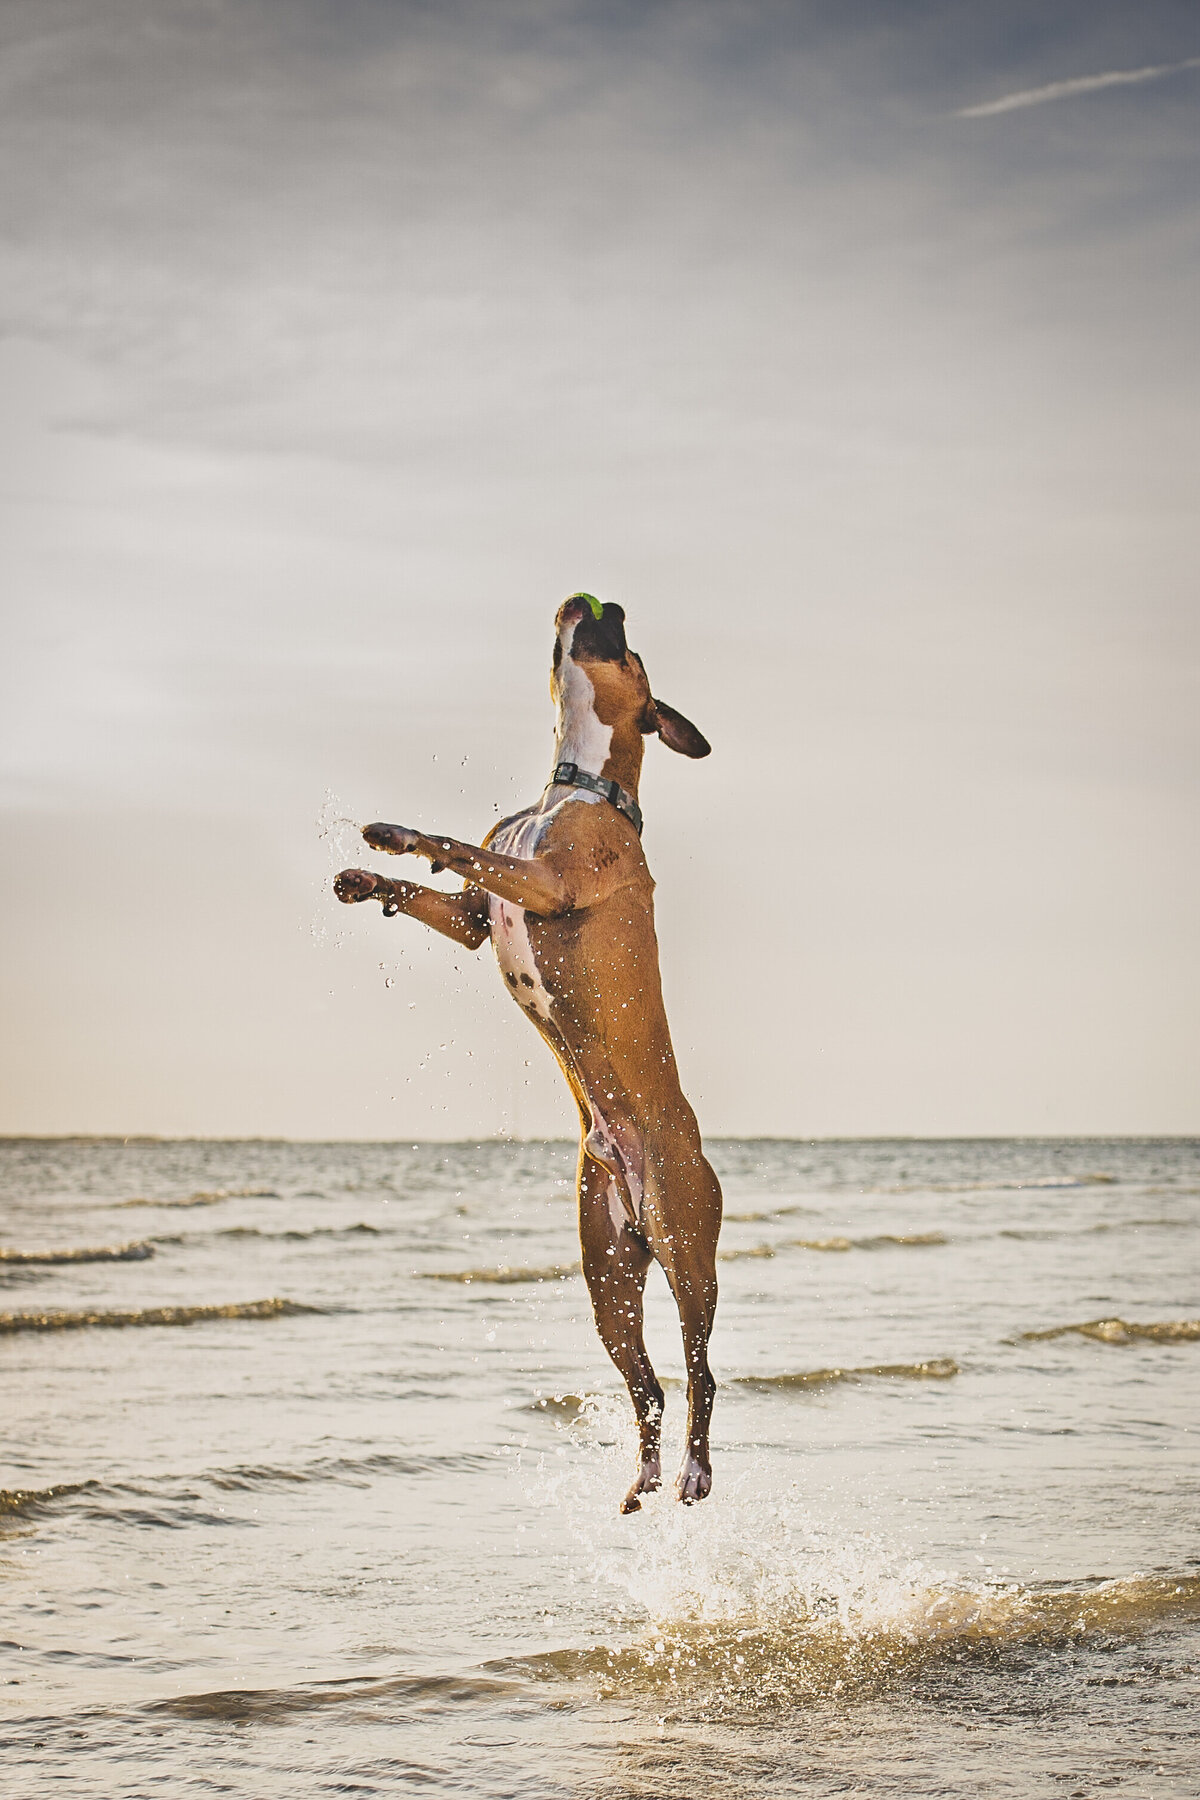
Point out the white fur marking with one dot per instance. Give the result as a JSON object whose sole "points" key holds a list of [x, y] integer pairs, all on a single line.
{"points": [[510, 929], [581, 738], [691, 1476], [603, 1144], [616, 1208]]}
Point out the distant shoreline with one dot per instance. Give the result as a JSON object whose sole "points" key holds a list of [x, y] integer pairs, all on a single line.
{"points": [[991, 1137]]}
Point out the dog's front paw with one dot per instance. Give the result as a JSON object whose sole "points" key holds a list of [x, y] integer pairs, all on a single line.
{"points": [[355, 884], [396, 840]]}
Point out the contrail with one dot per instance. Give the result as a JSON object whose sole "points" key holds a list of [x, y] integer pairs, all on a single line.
{"points": [[1081, 84]]}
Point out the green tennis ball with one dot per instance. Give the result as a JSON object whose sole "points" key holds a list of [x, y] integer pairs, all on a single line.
{"points": [[596, 606]]}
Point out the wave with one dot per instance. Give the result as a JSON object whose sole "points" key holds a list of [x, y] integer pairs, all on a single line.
{"points": [[569, 1407], [937, 1368], [562, 1406], [175, 1502], [1124, 1331], [1104, 1226], [317, 1231], [173, 1205], [15, 1502], [172, 1501], [750, 1667], [504, 1276], [347, 1468], [260, 1705], [104, 1253], [827, 1647], [150, 1315], [204, 1197], [762, 1218], [910, 1241], [1096, 1178]]}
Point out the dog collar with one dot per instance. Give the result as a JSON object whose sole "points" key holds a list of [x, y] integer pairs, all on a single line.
{"points": [[569, 774]]}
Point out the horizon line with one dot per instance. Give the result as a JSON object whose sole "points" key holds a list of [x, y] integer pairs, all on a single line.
{"points": [[969, 1137]]}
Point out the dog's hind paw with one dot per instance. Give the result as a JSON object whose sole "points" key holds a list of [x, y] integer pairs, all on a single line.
{"points": [[649, 1480], [694, 1481]]}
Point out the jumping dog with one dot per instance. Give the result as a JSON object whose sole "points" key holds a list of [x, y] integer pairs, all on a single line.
{"points": [[565, 895]]}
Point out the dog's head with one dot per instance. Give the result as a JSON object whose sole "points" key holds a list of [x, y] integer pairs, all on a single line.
{"points": [[590, 638]]}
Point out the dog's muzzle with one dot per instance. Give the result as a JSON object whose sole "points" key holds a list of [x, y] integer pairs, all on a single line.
{"points": [[597, 639]]}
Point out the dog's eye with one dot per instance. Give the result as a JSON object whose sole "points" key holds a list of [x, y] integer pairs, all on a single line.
{"points": [[557, 652]]}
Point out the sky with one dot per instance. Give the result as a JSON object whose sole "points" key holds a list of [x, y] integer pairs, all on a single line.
{"points": [[850, 347]]}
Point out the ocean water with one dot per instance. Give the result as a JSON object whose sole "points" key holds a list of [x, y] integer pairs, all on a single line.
{"points": [[312, 1459]]}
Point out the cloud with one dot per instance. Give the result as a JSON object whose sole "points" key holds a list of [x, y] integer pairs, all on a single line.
{"points": [[1080, 84]]}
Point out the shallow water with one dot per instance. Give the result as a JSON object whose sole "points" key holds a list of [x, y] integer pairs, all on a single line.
{"points": [[312, 1461]]}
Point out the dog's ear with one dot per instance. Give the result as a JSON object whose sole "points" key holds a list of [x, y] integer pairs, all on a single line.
{"points": [[676, 732]]}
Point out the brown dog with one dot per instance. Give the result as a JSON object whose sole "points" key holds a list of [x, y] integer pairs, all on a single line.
{"points": [[564, 893]]}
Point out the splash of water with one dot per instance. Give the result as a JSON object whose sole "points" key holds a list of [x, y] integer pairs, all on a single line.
{"points": [[751, 1600], [749, 1556], [341, 837]]}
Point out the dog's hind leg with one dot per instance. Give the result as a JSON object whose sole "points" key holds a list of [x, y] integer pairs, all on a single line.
{"points": [[696, 1296], [687, 1250], [614, 1266]]}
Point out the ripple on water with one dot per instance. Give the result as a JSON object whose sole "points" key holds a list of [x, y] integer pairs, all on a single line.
{"points": [[174, 1500], [1123, 1331], [138, 1252], [18, 1502], [1034, 1183], [913, 1240], [296, 1237], [107, 1320], [504, 1275], [203, 1197], [244, 1705], [936, 1368]]}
